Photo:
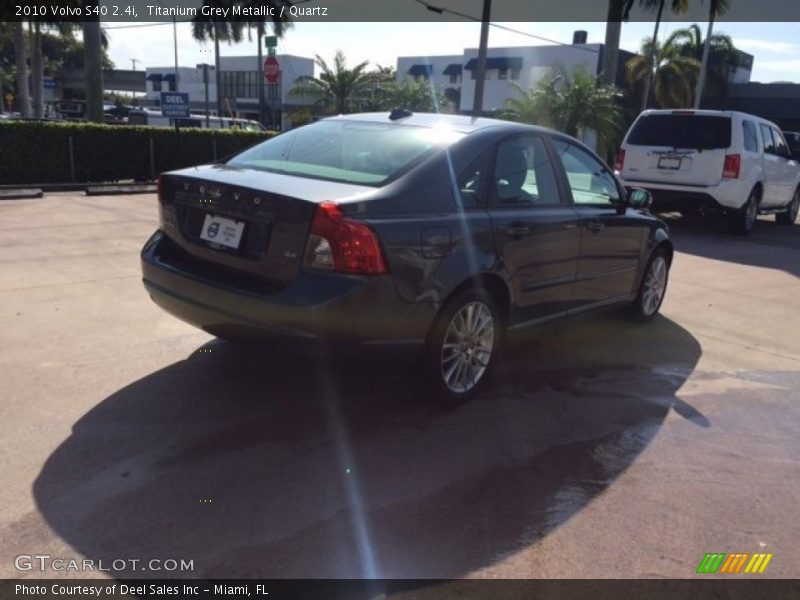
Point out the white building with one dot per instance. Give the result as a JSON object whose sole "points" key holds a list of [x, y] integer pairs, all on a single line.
{"points": [[521, 65], [240, 77]]}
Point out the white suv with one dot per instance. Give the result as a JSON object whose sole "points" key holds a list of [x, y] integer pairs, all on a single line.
{"points": [[693, 160]]}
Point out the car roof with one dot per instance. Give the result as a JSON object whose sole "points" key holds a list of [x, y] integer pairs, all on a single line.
{"points": [[705, 112], [460, 123]]}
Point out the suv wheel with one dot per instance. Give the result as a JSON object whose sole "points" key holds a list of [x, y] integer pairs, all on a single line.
{"points": [[743, 220], [653, 287], [462, 346], [790, 214]]}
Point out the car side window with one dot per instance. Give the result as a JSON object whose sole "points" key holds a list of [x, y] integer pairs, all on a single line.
{"points": [[523, 173], [590, 181], [471, 182], [766, 134], [750, 138], [781, 149]]}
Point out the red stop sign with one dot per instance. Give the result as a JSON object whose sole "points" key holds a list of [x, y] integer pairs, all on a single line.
{"points": [[271, 69]]}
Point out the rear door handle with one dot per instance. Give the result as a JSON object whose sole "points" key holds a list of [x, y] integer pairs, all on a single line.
{"points": [[518, 230], [595, 226]]}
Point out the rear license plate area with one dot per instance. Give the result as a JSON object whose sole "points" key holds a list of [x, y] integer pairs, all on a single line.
{"points": [[218, 231], [669, 163]]}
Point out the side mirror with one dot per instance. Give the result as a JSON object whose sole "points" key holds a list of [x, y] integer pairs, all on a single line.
{"points": [[639, 198]]}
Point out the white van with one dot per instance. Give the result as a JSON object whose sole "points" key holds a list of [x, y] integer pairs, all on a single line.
{"points": [[694, 160], [156, 119]]}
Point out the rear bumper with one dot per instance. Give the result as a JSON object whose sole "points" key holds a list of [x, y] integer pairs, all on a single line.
{"points": [[726, 195], [316, 312]]}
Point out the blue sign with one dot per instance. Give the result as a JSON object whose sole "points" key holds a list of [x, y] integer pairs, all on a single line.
{"points": [[175, 105]]}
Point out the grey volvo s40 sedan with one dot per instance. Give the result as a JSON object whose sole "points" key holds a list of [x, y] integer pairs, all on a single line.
{"points": [[438, 232]]}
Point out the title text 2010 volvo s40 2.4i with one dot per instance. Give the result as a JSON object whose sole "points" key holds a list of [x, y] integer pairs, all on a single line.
{"points": [[436, 231]]}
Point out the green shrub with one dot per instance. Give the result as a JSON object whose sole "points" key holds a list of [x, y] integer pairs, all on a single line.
{"points": [[38, 152]]}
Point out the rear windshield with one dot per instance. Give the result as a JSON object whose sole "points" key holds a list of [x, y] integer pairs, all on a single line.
{"points": [[348, 151], [682, 131]]}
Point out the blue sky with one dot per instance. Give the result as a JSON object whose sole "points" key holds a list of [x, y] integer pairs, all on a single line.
{"points": [[776, 46]]}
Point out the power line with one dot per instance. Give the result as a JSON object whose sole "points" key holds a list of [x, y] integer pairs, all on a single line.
{"points": [[440, 10]]}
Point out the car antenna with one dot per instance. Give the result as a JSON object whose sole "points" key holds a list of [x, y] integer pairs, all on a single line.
{"points": [[399, 113]]}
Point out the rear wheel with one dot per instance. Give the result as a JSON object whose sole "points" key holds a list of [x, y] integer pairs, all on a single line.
{"points": [[653, 287], [743, 220], [462, 346], [790, 215]]}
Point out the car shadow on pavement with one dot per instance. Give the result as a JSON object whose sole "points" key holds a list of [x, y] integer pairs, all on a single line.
{"points": [[254, 464], [769, 245]]}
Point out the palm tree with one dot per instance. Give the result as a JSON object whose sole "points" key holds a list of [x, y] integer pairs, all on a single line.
{"points": [[723, 57], [716, 7], [678, 6], [414, 94], [618, 11], [337, 89], [673, 72], [21, 56], [231, 31], [573, 103], [93, 69]]}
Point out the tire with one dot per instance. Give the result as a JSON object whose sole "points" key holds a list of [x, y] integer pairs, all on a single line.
{"points": [[462, 347], [789, 217], [653, 287], [743, 220]]}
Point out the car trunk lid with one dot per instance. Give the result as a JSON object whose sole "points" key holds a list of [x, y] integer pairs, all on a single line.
{"points": [[244, 219]]}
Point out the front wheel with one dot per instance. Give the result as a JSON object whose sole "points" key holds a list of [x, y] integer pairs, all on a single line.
{"points": [[790, 215], [653, 287], [743, 220], [462, 346]]}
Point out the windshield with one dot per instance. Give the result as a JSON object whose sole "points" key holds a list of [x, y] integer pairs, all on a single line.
{"points": [[682, 131], [348, 151]]}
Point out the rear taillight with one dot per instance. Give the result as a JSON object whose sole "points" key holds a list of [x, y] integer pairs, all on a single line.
{"points": [[620, 160], [164, 188], [340, 244], [733, 163]]}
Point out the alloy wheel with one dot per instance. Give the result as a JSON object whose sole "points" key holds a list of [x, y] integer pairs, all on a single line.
{"points": [[655, 284], [467, 347]]}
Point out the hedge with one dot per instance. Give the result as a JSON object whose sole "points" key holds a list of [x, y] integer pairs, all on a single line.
{"points": [[34, 152]]}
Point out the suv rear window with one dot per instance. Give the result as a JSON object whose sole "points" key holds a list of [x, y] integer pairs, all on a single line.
{"points": [[682, 131]]}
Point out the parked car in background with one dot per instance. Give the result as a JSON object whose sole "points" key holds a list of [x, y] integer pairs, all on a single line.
{"points": [[695, 160], [436, 232], [793, 139], [157, 119]]}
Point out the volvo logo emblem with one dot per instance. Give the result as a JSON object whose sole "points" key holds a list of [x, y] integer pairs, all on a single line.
{"points": [[213, 230], [256, 200]]}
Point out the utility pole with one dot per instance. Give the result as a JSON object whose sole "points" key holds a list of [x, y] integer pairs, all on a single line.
{"points": [[133, 62], [480, 71], [260, 76]]}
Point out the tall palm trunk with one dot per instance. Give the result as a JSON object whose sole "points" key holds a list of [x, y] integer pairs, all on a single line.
{"points": [[21, 54], [701, 76], [217, 76], [37, 71], [652, 69], [608, 74], [93, 71]]}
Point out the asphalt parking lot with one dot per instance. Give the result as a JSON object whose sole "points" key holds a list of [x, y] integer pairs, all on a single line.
{"points": [[600, 449]]}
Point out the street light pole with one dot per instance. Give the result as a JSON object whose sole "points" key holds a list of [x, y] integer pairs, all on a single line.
{"points": [[480, 71]]}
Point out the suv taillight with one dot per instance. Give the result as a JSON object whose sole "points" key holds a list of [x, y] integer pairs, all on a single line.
{"points": [[620, 160], [733, 163], [340, 244]]}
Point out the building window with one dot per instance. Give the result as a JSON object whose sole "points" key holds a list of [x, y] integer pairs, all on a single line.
{"points": [[502, 74], [156, 85], [514, 73], [454, 78], [172, 85]]}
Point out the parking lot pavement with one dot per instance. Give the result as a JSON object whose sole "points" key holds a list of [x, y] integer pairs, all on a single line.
{"points": [[600, 449]]}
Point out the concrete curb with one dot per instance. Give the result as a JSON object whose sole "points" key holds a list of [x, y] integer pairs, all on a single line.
{"points": [[20, 194]]}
